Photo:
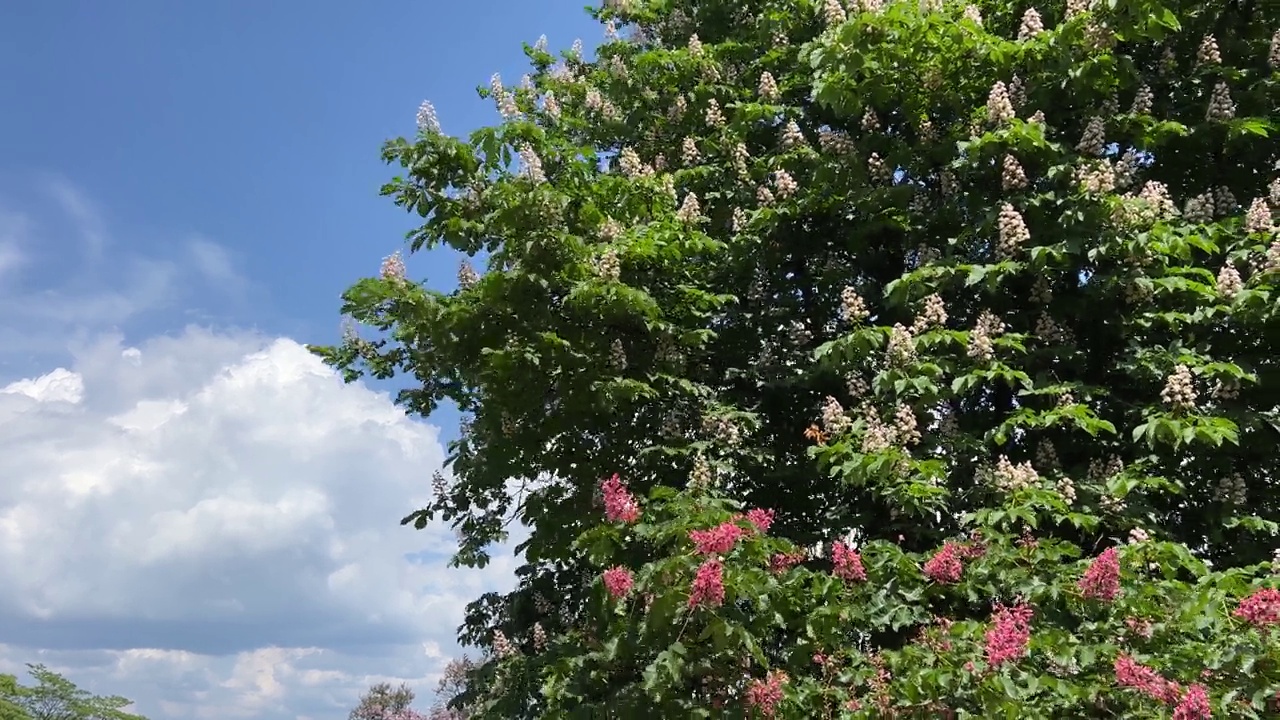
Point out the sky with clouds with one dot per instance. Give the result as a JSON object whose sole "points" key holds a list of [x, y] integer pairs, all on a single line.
{"points": [[194, 512]]}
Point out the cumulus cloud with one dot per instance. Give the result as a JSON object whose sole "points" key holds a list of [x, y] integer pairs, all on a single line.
{"points": [[207, 523], [203, 521]]}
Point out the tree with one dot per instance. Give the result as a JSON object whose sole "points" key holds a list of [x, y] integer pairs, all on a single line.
{"points": [[9, 708], [383, 702], [453, 693], [54, 697], [899, 358]]}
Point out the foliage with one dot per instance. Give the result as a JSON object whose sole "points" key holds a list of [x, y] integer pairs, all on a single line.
{"points": [[54, 697], [9, 708], [383, 702], [452, 701], [934, 345]]}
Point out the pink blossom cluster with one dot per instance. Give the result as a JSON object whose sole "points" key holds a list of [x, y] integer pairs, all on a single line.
{"points": [[1194, 705], [761, 519], [1261, 609], [1009, 635], [708, 585], [782, 562], [936, 638], [1102, 579], [618, 581], [945, 565], [1191, 705], [719, 540], [1141, 627], [1132, 674], [848, 564], [765, 694], [619, 505], [972, 550]]}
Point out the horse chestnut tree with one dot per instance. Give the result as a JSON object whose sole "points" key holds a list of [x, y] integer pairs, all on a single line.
{"points": [[865, 359]]}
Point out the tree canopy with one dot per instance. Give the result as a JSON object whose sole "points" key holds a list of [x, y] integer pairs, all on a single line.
{"points": [[54, 697], [890, 358], [383, 702]]}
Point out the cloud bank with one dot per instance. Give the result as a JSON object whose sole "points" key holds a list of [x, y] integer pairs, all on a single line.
{"points": [[204, 521], [219, 510]]}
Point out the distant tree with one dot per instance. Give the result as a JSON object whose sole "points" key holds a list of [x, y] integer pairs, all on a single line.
{"points": [[54, 697], [9, 709], [453, 692], [383, 702]]}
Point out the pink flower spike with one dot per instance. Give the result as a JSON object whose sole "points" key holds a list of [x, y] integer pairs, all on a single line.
{"points": [[764, 695], [618, 581], [719, 540], [1261, 609], [619, 505], [848, 564], [1102, 579], [762, 519], [708, 585], [1194, 705], [1009, 635], [1145, 680], [782, 562], [945, 566]]}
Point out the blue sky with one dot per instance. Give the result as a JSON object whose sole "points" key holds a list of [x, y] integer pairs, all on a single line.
{"points": [[185, 189]]}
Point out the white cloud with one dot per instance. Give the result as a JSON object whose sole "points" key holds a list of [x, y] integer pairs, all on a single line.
{"points": [[64, 276], [61, 385], [82, 210], [217, 266], [207, 523]]}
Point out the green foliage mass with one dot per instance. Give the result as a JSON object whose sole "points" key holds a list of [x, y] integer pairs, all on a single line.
{"points": [[54, 697], [992, 281]]}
